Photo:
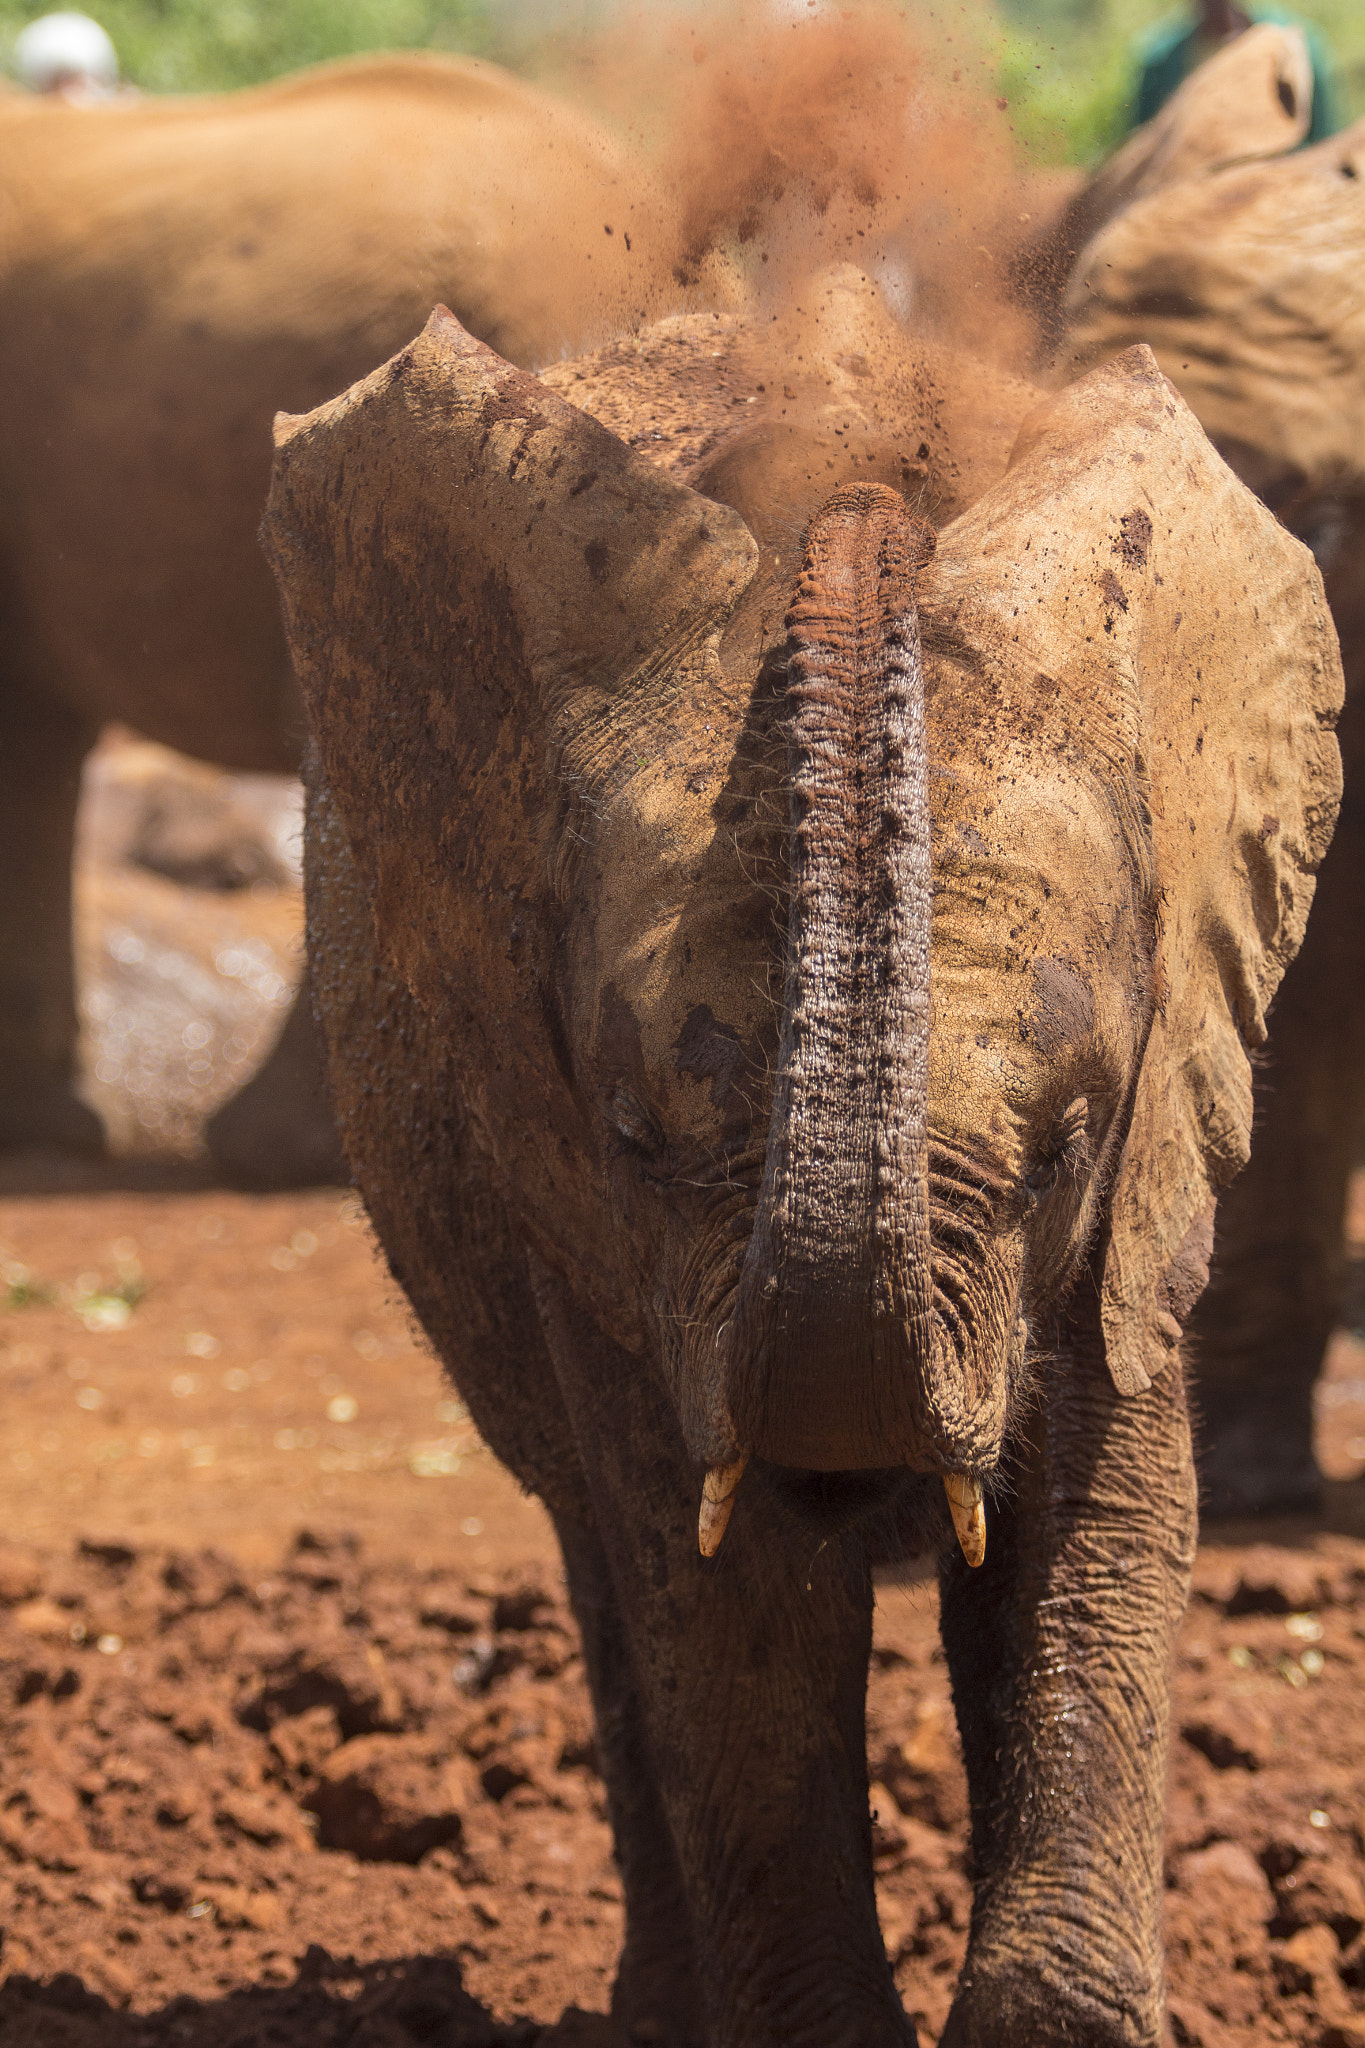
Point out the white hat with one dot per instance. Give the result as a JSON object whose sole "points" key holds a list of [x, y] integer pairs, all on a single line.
{"points": [[63, 46]]}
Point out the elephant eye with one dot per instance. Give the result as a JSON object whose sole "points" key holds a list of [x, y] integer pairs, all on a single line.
{"points": [[1071, 1125], [1065, 1147], [634, 1123]]}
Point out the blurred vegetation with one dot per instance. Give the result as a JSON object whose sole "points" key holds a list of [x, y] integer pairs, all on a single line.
{"points": [[210, 45], [1066, 66]]}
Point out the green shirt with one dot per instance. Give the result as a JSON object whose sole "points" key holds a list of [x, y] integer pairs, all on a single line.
{"points": [[1174, 49]]}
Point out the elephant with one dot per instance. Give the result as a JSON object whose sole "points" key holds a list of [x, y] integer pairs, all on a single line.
{"points": [[1253, 100], [173, 272], [1243, 277], [793, 887]]}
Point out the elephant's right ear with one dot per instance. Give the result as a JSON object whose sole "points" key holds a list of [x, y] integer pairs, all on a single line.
{"points": [[1142, 612], [474, 573]]}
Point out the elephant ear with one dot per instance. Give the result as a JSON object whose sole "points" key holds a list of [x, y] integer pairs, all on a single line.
{"points": [[1253, 101], [477, 576], [1184, 633], [1246, 284]]}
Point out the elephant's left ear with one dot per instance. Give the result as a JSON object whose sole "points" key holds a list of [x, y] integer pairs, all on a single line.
{"points": [[1192, 637], [1239, 686], [475, 576]]}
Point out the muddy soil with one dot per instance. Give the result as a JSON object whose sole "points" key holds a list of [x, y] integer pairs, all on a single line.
{"points": [[347, 1792], [297, 1743]]}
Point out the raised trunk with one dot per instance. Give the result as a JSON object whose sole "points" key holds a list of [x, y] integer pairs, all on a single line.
{"points": [[834, 1357]]}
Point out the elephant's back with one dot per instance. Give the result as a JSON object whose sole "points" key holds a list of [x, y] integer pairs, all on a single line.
{"points": [[353, 197], [172, 275], [1247, 284]]}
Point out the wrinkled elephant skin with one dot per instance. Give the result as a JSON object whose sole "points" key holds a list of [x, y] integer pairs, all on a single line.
{"points": [[173, 272], [790, 1010]]}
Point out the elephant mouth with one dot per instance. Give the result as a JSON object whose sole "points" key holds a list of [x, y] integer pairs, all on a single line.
{"points": [[827, 1504], [832, 1501]]}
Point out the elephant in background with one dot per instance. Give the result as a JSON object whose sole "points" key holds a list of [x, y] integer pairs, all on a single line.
{"points": [[173, 272], [1253, 101], [789, 998], [1244, 277]]}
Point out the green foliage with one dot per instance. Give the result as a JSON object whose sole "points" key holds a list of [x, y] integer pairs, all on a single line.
{"points": [[1343, 24], [99, 1306], [21, 1290], [210, 45]]}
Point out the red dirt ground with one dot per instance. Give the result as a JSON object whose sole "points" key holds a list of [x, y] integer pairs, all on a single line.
{"points": [[298, 1746]]}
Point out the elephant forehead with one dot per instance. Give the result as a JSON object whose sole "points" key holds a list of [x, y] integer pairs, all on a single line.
{"points": [[1030, 859], [698, 984], [1034, 954]]}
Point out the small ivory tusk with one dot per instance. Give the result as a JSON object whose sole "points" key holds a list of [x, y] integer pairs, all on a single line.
{"points": [[967, 1506], [718, 1491]]}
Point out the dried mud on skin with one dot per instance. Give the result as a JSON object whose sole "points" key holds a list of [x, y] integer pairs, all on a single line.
{"points": [[345, 1800]]}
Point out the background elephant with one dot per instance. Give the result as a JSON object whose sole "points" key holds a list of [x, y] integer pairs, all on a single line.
{"points": [[1244, 277], [172, 273], [790, 1067], [1254, 100]]}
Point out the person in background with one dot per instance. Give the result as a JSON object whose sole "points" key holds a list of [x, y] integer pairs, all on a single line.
{"points": [[68, 54], [1180, 45]]}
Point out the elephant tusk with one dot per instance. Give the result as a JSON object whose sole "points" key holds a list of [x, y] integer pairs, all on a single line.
{"points": [[718, 1491], [967, 1506]]}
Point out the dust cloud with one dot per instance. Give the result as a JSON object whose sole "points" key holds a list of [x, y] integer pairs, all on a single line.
{"points": [[789, 140]]}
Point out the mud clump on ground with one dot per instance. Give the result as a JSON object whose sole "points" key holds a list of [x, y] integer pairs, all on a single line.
{"points": [[234, 1801], [350, 1799]]}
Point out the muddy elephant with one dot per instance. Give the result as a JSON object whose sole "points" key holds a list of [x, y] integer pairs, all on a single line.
{"points": [[1244, 278], [1253, 101], [172, 273], [789, 976]]}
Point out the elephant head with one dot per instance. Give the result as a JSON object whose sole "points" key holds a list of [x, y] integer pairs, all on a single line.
{"points": [[1250, 103], [1243, 277], [829, 996]]}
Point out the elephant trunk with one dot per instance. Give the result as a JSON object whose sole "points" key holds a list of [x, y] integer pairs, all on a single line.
{"points": [[834, 1357]]}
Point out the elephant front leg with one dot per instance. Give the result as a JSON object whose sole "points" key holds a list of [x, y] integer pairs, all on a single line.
{"points": [[657, 1993], [752, 1672], [754, 1669], [42, 747], [1060, 1649]]}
